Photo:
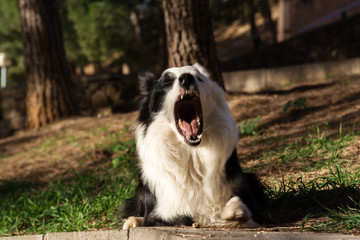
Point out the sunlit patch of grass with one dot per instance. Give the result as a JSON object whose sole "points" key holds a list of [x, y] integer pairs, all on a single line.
{"points": [[49, 144], [55, 141], [313, 194], [321, 181], [88, 201], [98, 131], [343, 218], [2, 158], [338, 177], [315, 152]]}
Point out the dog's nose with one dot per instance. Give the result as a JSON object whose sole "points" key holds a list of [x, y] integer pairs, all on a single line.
{"points": [[186, 80]]}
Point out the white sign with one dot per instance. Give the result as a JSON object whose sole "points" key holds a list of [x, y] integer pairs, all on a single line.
{"points": [[3, 70], [2, 59]]}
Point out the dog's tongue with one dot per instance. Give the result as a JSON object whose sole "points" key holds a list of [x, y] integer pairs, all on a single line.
{"points": [[190, 129]]}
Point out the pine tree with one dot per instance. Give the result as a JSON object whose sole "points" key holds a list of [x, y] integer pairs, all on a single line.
{"points": [[190, 36], [50, 91]]}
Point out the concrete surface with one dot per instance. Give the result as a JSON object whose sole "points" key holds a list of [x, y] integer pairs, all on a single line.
{"points": [[181, 234], [275, 78]]}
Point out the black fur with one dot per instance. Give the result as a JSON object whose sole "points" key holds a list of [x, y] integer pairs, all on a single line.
{"points": [[246, 186], [154, 92], [142, 205]]}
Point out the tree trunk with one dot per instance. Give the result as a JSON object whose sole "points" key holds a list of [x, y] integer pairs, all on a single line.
{"points": [[163, 53], [190, 36], [254, 31], [266, 12], [50, 91]]}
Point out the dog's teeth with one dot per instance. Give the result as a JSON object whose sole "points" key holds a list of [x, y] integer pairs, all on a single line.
{"points": [[198, 121], [180, 124], [199, 136], [188, 138], [182, 96]]}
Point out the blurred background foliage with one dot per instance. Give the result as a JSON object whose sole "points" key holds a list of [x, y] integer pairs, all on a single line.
{"points": [[10, 40], [104, 34], [96, 31]]}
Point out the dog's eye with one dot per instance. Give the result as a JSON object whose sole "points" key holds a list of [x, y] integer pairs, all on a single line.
{"points": [[167, 80]]}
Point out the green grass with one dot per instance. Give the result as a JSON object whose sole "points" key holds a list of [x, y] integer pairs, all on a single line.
{"points": [[91, 199], [48, 145], [325, 196], [338, 177], [84, 201], [315, 152], [328, 193], [297, 104], [249, 127], [343, 218], [57, 140], [3, 158]]}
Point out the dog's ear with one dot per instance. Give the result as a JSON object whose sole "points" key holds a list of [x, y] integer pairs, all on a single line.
{"points": [[146, 82], [202, 70]]}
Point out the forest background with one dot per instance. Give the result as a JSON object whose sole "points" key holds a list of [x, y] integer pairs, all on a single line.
{"points": [[111, 36]]}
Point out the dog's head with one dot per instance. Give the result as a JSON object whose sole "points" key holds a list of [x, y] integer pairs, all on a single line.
{"points": [[183, 97]]}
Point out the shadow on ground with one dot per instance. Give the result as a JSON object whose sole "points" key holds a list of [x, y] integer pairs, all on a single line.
{"points": [[292, 207]]}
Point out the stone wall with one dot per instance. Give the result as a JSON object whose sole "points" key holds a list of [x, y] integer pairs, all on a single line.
{"points": [[97, 95], [12, 110], [268, 79], [109, 93]]}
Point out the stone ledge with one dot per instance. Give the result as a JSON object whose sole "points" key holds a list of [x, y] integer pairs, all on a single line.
{"points": [[171, 233], [275, 78]]}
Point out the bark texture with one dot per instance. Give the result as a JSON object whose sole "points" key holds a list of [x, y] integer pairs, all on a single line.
{"points": [[50, 91], [190, 36]]}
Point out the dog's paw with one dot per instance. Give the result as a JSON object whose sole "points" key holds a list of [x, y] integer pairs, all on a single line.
{"points": [[235, 209], [133, 222]]}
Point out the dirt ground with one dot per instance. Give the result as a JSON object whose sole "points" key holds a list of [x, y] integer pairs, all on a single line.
{"points": [[47, 153], [37, 156], [329, 104]]}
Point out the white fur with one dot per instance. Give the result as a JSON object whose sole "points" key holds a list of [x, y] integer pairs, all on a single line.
{"points": [[189, 180]]}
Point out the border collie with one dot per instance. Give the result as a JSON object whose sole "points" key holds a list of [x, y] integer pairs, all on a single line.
{"points": [[186, 143]]}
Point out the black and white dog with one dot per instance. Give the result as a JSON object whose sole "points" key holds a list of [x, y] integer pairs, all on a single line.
{"points": [[186, 142]]}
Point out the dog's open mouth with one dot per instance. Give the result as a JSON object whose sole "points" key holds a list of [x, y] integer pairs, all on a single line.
{"points": [[188, 117]]}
